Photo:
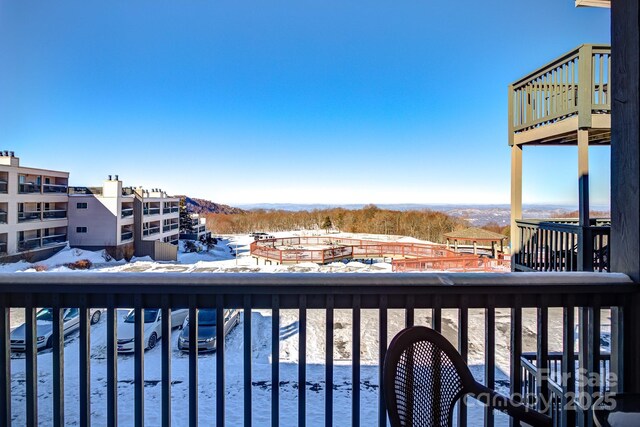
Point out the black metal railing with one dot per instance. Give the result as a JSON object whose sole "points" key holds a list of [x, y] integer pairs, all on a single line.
{"points": [[126, 235], [29, 216], [54, 214], [151, 211], [559, 387], [169, 227], [150, 231], [126, 212], [563, 245], [54, 240], [97, 191], [29, 244], [54, 188], [27, 188], [293, 296]]}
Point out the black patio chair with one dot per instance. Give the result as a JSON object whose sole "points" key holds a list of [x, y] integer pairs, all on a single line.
{"points": [[425, 376]]}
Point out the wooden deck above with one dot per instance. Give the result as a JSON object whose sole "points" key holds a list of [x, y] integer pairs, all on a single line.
{"points": [[550, 105]]}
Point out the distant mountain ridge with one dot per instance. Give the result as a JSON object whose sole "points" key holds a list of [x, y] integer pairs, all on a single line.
{"points": [[203, 206]]}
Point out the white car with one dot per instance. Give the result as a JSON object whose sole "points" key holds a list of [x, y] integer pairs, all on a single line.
{"points": [[152, 328], [44, 327]]}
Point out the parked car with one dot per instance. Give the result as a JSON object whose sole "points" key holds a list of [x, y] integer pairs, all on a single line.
{"points": [[207, 328], [44, 327], [152, 328]]}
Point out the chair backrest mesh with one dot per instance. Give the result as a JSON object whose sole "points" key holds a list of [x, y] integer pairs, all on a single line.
{"points": [[427, 385]]}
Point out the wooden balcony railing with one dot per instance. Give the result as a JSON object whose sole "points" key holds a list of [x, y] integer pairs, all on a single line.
{"points": [[581, 296], [562, 245], [577, 83]]}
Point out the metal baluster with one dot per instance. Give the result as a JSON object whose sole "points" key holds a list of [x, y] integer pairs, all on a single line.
{"points": [[355, 366], [166, 361], [85, 365], [112, 363], [5, 361], [516, 352], [220, 344], [463, 348], [302, 363], [542, 357], [138, 361], [31, 363], [436, 314], [567, 374], [275, 361], [58, 362], [489, 359], [193, 361], [409, 314], [382, 411], [328, 401], [247, 361]]}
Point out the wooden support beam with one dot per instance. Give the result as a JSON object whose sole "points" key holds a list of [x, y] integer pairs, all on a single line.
{"points": [[585, 239], [583, 176], [625, 171], [516, 199]]}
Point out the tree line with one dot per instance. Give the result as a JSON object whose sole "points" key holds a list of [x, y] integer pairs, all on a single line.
{"points": [[422, 224]]}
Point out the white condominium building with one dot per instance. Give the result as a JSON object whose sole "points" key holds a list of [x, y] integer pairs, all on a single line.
{"points": [[160, 216], [125, 221], [102, 218], [33, 210]]}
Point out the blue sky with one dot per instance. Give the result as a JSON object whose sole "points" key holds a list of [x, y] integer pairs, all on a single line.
{"points": [[288, 101]]}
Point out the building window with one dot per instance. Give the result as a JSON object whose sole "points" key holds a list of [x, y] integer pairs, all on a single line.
{"points": [[81, 229], [82, 205]]}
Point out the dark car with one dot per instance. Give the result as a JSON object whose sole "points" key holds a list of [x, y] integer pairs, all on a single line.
{"points": [[207, 328]]}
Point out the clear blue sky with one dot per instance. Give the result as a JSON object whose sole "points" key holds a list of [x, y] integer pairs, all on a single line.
{"points": [[288, 101]]}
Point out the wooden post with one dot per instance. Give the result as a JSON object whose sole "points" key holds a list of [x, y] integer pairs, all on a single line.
{"points": [[625, 175], [585, 240], [475, 247], [516, 200]]}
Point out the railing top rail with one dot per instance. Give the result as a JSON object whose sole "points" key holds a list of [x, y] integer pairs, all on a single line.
{"points": [[598, 48], [574, 282], [446, 290]]}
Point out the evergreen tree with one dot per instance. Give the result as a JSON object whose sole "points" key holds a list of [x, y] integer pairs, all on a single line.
{"points": [[186, 226], [327, 224]]}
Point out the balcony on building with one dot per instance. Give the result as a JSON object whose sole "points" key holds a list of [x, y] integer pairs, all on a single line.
{"points": [[151, 208], [85, 191], [127, 209], [126, 233], [151, 228], [3, 212], [29, 184], [3, 243], [171, 207], [55, 185], [29, 240], [173, 239], [170, 224], [4, 182], [54, 236], [564, 103], [56, 210], [29, 212]]}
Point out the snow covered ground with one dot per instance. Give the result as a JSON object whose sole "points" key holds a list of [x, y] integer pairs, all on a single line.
{"points": [[222, 259]]}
